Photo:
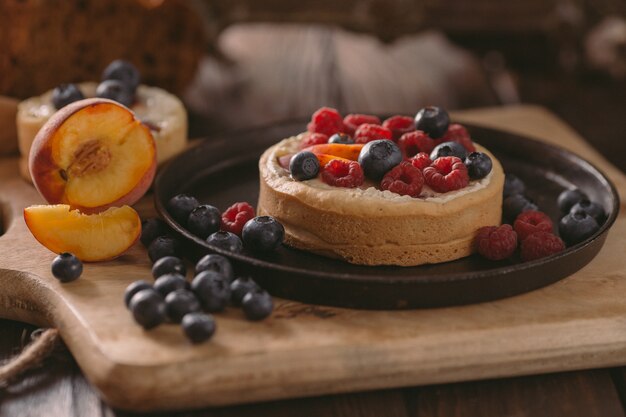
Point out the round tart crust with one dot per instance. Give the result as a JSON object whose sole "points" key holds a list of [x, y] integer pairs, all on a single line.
{"points": [[372, 227]]}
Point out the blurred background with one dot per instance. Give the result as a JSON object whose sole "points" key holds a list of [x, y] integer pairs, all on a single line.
{"points": [[244, 63]]}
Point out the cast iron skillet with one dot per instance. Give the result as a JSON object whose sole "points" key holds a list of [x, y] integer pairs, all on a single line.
{"points": [[223, 170]]}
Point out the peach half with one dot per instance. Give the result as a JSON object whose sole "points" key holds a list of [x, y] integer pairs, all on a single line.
{"points": [[91, 237], [93, 154]]}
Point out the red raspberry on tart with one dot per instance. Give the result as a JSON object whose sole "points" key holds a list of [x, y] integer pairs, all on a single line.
{"points": [[458, 133], [403, 179], [314, 139], [540, 245], [352, 121], [399, 125], [343, 173], [446, 174], [421, 161], [496, 242], [236, 216], [369, 132], [327, 121], [532, 221], [415, 142]]}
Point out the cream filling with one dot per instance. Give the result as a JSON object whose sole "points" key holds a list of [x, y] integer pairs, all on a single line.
{"points": [[292, 145]]}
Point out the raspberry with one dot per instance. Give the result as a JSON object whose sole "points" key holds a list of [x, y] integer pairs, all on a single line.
{"points": [[457, 133], [415, 142], [399, 125], [327, 121], [445, 174], [532, 221], [313, 139], [343, 173], [421, 161], [404, 179], [352, 121], [368, 132], [496, 242], [236, 216], [539, 245]]}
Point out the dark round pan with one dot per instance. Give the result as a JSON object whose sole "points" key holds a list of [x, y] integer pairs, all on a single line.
{"points": [[224, 170]]}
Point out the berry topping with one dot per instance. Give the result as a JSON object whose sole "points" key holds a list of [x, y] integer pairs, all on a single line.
{"points": [[181, 302], [216, 263], [352, 121], [163, 246], [168, 265], [148, 308], [66, 267], [313, 139], [445, 174], [204, 220], [515, 204], [117, 91], [327, 121], [457, 133], [212, 289], [432, 120], [532, 221], [342, 173], [124, 72], [198, 327], [369, 132], [415, 142], [378, 157], [568, 198], [341, 138], [304, 165], [65, 94], [236, 216], [539, 245], [404, 179], [151, 229], [225, 240], [134, 288], [240, 287], [399, 125], [496, 242], [512, 185], [449, 149], [421, 161], [167, 283], [577, 226], [257, 304], [263, 234], [478, 165], [180, 207], [595, 210]]}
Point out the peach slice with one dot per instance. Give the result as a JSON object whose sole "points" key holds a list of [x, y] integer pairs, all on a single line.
{"points": [[350, 152], [93, 154], [91, 237]]}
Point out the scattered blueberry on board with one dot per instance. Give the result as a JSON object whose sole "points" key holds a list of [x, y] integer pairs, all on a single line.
{"points": [[180, 207], [433, 121], [217, 263], [168, 265], [212, 289], [66, 267], [263, 234], [240, 287], [148, 308], [163, 246], [65, 94], [225, 240], [151, 229], [168, 283], [181, 302], [257, 304], [134, 288], [198, 327]]}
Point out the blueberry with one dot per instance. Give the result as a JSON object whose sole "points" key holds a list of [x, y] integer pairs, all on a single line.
{"points": [[263, 234], [65, 94], [198, 327], [595, 210], [257, 304], [217, 263], [168, 265], [304, 166], [577, 226], [225, 240], [212, 289], [163, 246], [66, 267], [148, 308], [117, 91], [180, 207], [513, 205], [568, 198], [449, 149], [167, 283], [341, 138], [433, 121], [478, 165], [240, 287], [134, 288], [151, 229], [181, 302], [378, 157], [204, 220], [513, 185], [124, 72]]}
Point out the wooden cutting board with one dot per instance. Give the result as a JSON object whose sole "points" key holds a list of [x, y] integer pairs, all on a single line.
{"points": [[305, 350]]}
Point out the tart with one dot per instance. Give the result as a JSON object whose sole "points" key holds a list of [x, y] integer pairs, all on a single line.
{"points": [[159, 110], [368, 225]]}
